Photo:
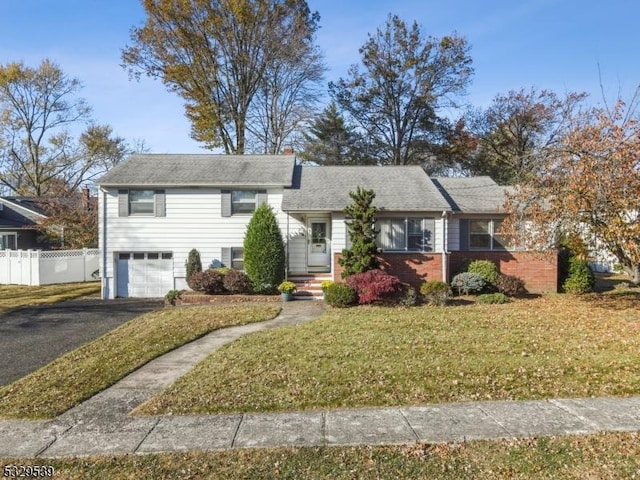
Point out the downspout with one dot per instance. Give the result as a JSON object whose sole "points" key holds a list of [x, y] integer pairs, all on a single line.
{"points": [[286, 246], [103, 267], [445, 244]]}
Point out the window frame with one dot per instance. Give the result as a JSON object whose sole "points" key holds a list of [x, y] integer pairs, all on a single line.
{"points": [[404, 234], [496, 240], [235, 203], [131, 201], [237, 257], [6, 239]]}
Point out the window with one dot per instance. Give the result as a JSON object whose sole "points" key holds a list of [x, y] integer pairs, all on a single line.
{"points": [[485, 235], [243, 201], [479, 235], [237, 258], [8, 241], [141, 202], [149, 203], [406, 234]]}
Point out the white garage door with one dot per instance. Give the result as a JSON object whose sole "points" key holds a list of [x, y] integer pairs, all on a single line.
{"points": [[145, 274]]}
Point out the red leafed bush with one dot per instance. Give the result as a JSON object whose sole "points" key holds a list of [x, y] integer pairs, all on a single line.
{"points": [[374, 286]]}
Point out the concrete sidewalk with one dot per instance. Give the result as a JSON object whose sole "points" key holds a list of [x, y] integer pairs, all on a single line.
{"points": [[102, 425]]}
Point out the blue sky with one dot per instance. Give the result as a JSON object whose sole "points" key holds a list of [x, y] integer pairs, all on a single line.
{"points": [[554, 44]]}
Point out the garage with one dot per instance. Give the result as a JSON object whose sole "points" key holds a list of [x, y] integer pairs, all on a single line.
{"points": [[144, 274]]}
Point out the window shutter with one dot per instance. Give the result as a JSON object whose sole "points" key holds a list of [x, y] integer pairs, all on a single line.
{"points": [[226, 257], [429, 227], [261, 197], [226, 203], [464, 234], [123, 203], [160, 199]]}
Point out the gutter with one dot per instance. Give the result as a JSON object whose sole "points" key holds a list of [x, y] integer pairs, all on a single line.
{"points": [[103, 267]]}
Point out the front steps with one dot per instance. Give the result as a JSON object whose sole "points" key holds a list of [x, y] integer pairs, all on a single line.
{"points": [[309, 284]]}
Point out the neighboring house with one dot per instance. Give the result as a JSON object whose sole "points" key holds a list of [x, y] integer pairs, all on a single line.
{"points": [[18, 218], [155, 208]]}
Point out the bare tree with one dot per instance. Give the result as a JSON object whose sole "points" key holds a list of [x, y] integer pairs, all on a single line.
{"points": [[215, 55], [38, 154]]}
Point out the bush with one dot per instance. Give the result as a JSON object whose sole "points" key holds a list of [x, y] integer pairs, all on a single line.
{"points": [[435, 292], [213, 282], [340, 295], [493, 298], [374, 286], [486, 269], [581, 278], [264, 258], [172, 296], [408, 296], [510, 285], [468, 282], [237, 282], [193, 265], [195, 281]]}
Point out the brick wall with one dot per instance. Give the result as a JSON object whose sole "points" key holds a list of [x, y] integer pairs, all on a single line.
{"points": [[413, 268], [539, 270]]}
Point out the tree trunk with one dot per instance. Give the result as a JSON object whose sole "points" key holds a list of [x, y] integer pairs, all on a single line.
{"points": [[635, 274]]}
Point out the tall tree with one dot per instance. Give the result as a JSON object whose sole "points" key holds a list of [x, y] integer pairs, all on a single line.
{"points": [[407, 78], [215, 55], [286, 99], [589, 183], [516, 131], [38, 154], [329, 140]]}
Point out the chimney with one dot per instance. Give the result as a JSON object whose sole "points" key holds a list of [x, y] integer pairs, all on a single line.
{"points": [[287, 151]]}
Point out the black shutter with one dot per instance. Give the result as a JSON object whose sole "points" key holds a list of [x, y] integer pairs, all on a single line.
{"points": [[429, 232], [226, 257], [159, 197], [123, 203], [226, 203], [464, 234]]}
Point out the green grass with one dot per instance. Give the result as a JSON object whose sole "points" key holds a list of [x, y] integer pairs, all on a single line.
{"points": [[95, 366], [603, 456], [554, 346], [15, 296]]}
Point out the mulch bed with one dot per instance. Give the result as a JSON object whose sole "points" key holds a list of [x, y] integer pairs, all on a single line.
{"points": [[200, 298]]}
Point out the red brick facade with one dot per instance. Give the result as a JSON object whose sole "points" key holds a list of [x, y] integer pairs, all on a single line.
{"points": [[539, 270]]}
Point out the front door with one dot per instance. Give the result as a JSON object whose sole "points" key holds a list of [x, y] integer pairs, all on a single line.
{"points": [[319, 255]]}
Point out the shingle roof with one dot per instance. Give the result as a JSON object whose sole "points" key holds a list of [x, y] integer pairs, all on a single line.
{"points": [[472, 194], [33, 206], [202, 170], [399, 188]]}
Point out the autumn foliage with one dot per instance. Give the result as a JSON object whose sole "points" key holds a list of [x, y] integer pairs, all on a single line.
{"points": [[589, 184]]}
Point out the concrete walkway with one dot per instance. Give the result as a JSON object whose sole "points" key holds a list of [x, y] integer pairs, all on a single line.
{"points": [[102, 425]]}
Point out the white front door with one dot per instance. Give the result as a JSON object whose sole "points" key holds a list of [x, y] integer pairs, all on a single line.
{"points": [[319, 242]]}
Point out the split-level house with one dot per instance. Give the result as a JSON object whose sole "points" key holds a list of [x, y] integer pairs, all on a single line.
{"points": [[155, 208]]}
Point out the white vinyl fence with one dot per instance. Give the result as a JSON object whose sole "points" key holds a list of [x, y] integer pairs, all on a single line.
{"points": [[38, 267]]}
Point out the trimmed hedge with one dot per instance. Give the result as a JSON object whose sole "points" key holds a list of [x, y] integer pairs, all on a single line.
{"points": [[486, 269], [340, 295], [435, 292]]}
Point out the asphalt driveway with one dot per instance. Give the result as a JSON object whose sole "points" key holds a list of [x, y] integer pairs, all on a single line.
{"points": [[31, 337]]}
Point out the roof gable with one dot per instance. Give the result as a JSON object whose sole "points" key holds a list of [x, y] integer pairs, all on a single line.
{"points": [[164, 170]]}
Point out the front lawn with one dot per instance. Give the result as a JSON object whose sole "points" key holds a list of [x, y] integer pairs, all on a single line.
{"points": [[603, 456], [15, 296], [553, 346], [82, 373]]}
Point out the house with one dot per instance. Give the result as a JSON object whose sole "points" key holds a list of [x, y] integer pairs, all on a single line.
{"points": [[18, 218], [155, 208]]}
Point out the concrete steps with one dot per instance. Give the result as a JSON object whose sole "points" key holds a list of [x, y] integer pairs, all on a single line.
{"points": [[309, 284]]}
